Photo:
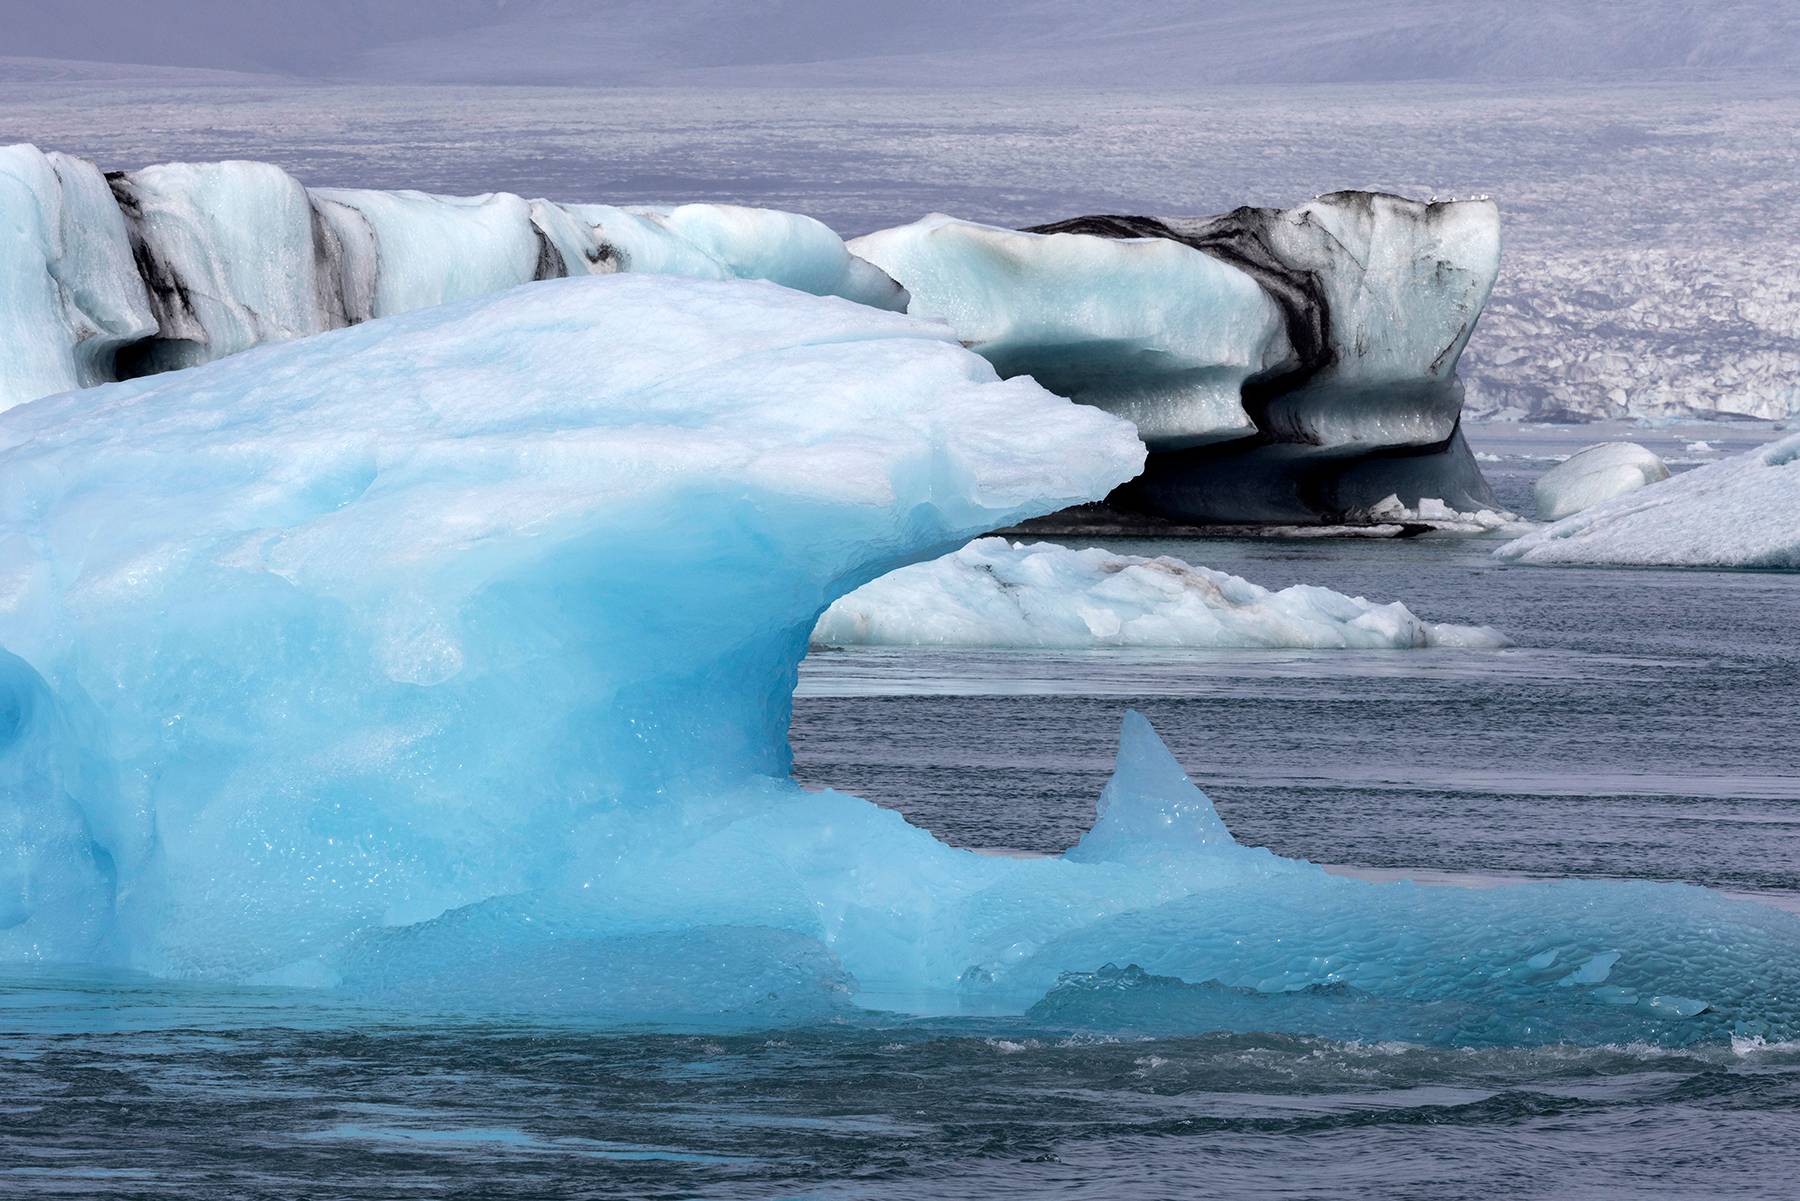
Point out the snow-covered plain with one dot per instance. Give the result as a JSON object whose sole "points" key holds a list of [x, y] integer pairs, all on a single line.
{"points": [[478, 698], [997, 593], [1595, 474], [1736, 512]]}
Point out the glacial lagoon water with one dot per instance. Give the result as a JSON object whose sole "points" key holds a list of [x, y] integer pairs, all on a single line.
{"points": [[1640, 727]]}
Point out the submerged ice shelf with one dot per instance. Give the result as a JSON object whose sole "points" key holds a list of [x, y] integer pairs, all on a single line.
{"points": [[999, 593], [479, 698]]}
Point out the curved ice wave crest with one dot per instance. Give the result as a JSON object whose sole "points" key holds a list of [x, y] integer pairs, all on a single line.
{"points": [[350, 631], [113, 277], [999, 593], [1738, 512], [448, 659]]}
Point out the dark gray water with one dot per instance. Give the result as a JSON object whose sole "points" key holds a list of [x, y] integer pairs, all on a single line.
{"points": [[1642, 727], [180, 1094]]}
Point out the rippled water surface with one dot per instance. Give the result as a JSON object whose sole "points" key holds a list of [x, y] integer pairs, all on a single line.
{"points": [[1642, 726], [133, 1089]]}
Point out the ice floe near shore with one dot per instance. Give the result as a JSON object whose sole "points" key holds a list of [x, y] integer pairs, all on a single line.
{"points": [[1743, 511], [1596, 474], [999, 593]]}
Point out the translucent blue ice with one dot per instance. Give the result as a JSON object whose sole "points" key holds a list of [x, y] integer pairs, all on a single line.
{"points": [[446, 660]]}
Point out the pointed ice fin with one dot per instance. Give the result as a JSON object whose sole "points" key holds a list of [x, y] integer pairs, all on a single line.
{"points": [[1149, 810]]}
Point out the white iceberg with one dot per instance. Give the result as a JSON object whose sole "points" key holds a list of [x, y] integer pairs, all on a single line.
{"points": [[999, 593], [790, 249], [1282, 365], [447, 660], [1595, 474], [1743, 511], [70, 296], [179, 264]]}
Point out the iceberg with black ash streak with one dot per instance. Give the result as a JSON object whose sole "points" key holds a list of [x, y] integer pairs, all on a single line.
{"points": [[119, 276], [1283, 364]]}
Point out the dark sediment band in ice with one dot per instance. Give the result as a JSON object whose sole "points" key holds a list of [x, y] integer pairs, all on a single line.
{"points": [[1298, 365], [114, 276]]}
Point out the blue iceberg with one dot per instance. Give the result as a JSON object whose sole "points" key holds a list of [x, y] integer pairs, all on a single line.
{"points": [[446, 660]]}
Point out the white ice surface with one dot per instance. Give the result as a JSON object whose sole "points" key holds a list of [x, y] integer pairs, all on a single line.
{"points": [[238, 236], [1738, 512], [1007, 594], [434, 249], [790, 249], [1150, 329], [1596, 474], [239, 254], [69, 294]]}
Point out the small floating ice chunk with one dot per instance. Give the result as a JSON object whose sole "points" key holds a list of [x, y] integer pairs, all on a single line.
{"points": [[1594, 971], [1599, 473], [999, 593], [1681, 1007]]}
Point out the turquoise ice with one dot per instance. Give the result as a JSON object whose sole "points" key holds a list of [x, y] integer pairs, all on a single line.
{"points": [[446, 661]]}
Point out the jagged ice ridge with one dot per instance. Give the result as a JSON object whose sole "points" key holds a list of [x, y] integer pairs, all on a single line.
{"points": [[107, 277]]}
